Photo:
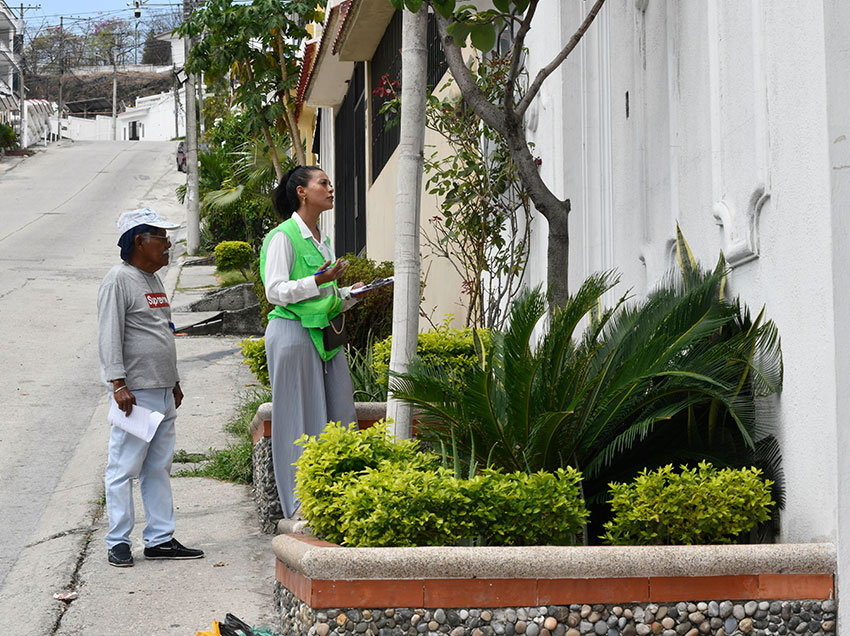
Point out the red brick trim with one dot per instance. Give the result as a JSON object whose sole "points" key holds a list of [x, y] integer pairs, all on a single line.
{"points": [[431, 593], [803, 586], [265, 431]]}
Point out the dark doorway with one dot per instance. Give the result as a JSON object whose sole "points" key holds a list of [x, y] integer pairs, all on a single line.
{"points": [[350, 168]]}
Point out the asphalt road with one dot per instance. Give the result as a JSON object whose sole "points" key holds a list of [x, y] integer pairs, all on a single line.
{"points": [[57, 240]]}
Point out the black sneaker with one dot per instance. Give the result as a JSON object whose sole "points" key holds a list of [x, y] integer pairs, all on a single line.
{"points": [[120, 556], [172, 550]]}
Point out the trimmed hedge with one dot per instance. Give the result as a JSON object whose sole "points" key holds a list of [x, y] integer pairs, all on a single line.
{"points": [[361, 488], [695, 506]]}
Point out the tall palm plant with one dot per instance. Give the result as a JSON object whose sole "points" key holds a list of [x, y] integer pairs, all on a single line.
{"points": [[673, 378]]}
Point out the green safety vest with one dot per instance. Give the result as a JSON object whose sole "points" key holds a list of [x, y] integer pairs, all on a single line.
{"points": [[315, 313]]}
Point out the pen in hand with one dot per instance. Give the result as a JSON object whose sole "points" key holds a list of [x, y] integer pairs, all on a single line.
{"points": [[324, 269]]}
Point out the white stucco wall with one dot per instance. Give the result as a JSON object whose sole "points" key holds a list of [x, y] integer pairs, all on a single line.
{"points": [[727, 133]]}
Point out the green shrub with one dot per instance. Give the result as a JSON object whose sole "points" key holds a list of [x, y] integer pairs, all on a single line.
{"points": [[372, 317], [233, 255], [8, 138], [361, 488], [399, 505], [254, 352], [530, 509], [453, 350], [338, 455], [260, 292], [365, 382], [696, 506], [248, 219], [396, 505]]}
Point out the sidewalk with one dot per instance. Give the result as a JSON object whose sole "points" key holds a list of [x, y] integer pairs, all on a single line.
{"points": [[237, 575]]}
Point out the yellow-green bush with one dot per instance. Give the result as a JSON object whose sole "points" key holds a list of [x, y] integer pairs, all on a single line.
{"points": [[361, 488], [340, 454], [452, 349], [695, 506], [254, 352], [233, 255]]}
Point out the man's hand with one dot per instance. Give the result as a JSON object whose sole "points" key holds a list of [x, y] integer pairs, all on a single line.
{"points": [[178, 395], [123, 397]]}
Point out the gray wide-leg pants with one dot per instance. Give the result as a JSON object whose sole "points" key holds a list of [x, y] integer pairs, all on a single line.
{"points": [[307, 393]]}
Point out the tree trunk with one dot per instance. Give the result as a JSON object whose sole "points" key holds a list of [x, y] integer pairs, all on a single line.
{"points": [[273, 152], [408, 198], [289, 116]]}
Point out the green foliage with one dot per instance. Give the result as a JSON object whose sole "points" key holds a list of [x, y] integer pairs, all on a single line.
{"points": [[363, 489], [372, 317], [398, 505], [254, 352], [479, 26], [260, 293], [451, 350], [8, 137], [338, 455], [367, 386], [484, 224], [259, 43], [542, 508], [672, 378], [695, 506], [233, 255]]}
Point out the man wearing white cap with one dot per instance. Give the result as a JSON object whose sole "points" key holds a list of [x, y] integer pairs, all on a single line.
{"points": [[139, 364]]}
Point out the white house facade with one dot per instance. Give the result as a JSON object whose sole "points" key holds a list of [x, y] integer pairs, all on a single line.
{"points": [[733, 119]]}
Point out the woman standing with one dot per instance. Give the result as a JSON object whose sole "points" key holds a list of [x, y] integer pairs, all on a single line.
{"points": [[310, 385]]}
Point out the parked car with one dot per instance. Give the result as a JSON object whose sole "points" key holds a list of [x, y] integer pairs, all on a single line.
{"points": [[181, 156]]}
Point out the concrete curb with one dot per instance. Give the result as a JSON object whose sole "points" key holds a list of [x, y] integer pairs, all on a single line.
{"points": [[336, 563]]}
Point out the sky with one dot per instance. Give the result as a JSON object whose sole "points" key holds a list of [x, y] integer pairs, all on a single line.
{"points": [[49, 10]]}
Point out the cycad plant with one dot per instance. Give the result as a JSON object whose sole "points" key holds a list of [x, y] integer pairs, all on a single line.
{"points": [[672, 379]]}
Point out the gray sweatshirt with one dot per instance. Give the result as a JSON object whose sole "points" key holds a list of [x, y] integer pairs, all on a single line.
{"points": [[134, 334]]}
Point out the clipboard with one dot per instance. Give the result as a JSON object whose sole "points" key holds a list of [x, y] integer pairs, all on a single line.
{"points": [[375, 284]]}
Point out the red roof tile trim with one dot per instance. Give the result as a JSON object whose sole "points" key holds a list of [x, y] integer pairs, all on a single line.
{"points": [[306, 70], [344, 13], [317, 52]]}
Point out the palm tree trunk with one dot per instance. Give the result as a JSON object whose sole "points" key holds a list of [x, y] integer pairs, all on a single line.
{"points": [[289, 116], [408, 198]]}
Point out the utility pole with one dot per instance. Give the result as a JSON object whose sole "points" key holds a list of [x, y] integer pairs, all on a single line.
{"points": [[23, 118], [61, 76], [176, 101], [193, 223], [114, 90]]}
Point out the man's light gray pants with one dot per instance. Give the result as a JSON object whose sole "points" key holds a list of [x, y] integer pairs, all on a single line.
{"points": [[131, 457]]}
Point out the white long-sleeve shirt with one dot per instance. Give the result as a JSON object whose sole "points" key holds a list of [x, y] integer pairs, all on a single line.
{"points": [[280, 289]]}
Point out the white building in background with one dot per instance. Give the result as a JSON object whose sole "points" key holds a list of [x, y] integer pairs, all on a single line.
{"points": [[9, 27], [151, 119], [730, 117]]}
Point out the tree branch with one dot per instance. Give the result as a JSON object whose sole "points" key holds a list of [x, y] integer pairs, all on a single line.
{"points": [[472, 94], [547, 70], [516, 56]]}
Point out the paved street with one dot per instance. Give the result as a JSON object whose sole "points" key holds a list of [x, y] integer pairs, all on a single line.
{"points": [[57, 240]]}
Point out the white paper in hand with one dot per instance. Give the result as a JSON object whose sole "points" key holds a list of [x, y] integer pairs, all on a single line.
{"points": [[141, 422]]}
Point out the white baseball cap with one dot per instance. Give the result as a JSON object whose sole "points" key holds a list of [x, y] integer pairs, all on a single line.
{"points": [[143, 216]]}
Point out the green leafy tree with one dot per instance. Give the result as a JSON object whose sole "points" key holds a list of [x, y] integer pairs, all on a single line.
{"points": [[259, 44], [484, 224], [156, 51], [505, 113]]}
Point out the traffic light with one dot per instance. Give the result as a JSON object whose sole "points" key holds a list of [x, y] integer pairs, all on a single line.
{"points": [[137, 8]]}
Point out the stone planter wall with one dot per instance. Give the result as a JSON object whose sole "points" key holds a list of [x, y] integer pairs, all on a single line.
{"points": [[269, 510], [554, 591]]}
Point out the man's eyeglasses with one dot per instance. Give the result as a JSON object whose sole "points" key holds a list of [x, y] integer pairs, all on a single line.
{"points": [[161, 237]]}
